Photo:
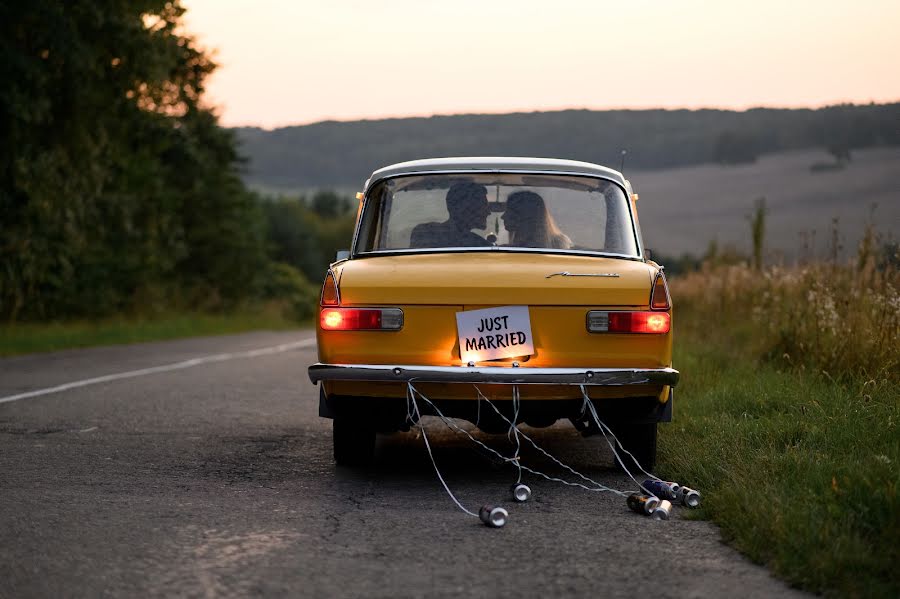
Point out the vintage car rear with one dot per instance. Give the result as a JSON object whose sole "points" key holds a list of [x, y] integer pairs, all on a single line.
{"points": [[554, 244]]}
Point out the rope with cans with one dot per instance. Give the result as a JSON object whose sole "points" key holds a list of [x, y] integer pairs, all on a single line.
{"points": [[514, 430], [604, 429], [655, 503], [411, 397], [599, 486], [455, 427], [658, 492]]}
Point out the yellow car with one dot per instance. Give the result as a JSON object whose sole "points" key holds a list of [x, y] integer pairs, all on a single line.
{"points": [[522, 281]]}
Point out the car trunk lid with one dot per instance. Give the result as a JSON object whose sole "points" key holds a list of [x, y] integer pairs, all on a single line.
{"points": [[495, 278]]}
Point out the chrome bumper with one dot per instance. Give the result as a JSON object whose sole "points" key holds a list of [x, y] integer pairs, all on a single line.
{"points": [[493, 374]]}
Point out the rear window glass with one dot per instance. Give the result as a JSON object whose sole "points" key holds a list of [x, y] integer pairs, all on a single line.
{"points": [[555, 212]]}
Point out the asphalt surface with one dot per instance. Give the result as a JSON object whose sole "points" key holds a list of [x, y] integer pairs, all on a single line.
{"points": [[218, 480]]}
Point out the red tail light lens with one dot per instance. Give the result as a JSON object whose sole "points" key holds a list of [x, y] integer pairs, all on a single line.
{"points": [[638, 322], [628, 322], [361, 319], [659, 299]]}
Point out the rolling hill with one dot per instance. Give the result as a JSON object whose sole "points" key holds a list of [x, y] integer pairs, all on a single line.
{"points": [[698, 172], [339, 154]]}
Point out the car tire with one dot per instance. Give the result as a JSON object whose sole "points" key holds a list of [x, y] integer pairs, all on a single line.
{"points": [[354, 443], [639, 438]]}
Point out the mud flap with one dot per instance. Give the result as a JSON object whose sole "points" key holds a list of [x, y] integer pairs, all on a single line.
{"points": [[665, 414], [324, 409]]}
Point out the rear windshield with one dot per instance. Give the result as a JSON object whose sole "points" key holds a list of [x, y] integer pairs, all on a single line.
{"points": [[491, 211]]}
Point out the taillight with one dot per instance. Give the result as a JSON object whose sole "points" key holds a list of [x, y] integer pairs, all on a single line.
{"points": [[361, 319], [628, 322], [659, 299], [330, 296]]}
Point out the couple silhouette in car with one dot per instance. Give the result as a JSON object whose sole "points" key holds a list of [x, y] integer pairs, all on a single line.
{"points": [[526, 218]]}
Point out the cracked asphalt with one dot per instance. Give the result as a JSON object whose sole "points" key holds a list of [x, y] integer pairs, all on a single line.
{"points": [[217, 480]]}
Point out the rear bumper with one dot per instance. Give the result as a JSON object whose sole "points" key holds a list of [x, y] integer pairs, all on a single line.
{"points": [[613, 377]]}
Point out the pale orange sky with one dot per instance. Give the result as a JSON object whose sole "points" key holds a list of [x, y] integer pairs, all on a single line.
{"points": [[294, 62]]}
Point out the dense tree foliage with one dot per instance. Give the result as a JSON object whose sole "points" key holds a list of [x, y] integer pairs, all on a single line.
{"points": [[118, 189], [303, 237], [306, 234], [343, 153]]}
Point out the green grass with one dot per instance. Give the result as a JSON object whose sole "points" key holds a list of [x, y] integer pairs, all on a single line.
{"points": [[41, 337], [788, 416], [801, 473]]}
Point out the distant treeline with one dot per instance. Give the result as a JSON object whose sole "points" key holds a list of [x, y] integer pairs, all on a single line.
{"points": [[344, 153], [119, 192]]}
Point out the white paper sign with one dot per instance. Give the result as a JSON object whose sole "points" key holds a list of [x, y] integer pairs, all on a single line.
{"points": [[493, 333]]}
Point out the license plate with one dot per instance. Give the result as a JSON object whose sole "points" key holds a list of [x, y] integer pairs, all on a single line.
{"points": [[494, 333]]}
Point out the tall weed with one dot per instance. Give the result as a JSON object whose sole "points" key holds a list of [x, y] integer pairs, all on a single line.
{"points": [[843, 320], [789, 412]]}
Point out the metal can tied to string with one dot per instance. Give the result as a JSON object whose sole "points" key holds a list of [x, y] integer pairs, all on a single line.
{"points": [[662, 511], [520, 492], [642, 504], [661, 488], [494, 517], [689, 497]]}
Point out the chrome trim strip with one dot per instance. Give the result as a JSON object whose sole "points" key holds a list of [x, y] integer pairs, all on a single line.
{"points": [[491, 171], [614, 377], [495, 164], [488, 249], [566, 273], [635, 221]]}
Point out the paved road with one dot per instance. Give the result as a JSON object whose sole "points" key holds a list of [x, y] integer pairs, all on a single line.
{"points": [[217, 480]]}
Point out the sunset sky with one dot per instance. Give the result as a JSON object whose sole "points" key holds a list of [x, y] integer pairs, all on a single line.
{"points": [[295, 62]]}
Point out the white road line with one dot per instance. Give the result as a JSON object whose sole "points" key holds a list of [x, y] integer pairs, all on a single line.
{"points": [[253, 353]]}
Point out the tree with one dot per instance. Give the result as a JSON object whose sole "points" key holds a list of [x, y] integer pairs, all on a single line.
{"points": [[329, 204], [118, 190]]}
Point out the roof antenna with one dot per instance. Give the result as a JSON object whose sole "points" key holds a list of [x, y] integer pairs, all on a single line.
{"points": [[622, 167]]}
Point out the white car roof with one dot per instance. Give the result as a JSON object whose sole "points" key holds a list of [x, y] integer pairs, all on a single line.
{"points": [[496, 164]]}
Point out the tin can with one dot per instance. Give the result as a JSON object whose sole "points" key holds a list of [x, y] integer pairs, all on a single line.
{"points": [[689, 497], [642, 504], [492, 516], [662, 511], [520, 492], [661, 488]]}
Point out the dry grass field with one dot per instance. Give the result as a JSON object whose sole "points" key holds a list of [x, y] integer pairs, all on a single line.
{"points": [[683, 209]]}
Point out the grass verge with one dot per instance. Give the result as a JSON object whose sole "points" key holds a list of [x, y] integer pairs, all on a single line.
{"points": [[41, 337], [801, 472]]}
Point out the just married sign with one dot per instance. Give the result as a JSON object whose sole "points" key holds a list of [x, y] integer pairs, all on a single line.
{"points": [[493, 333]]}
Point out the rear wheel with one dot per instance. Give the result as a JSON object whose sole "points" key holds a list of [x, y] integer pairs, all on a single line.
{"points": [[354, 442], [639, 438]]}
